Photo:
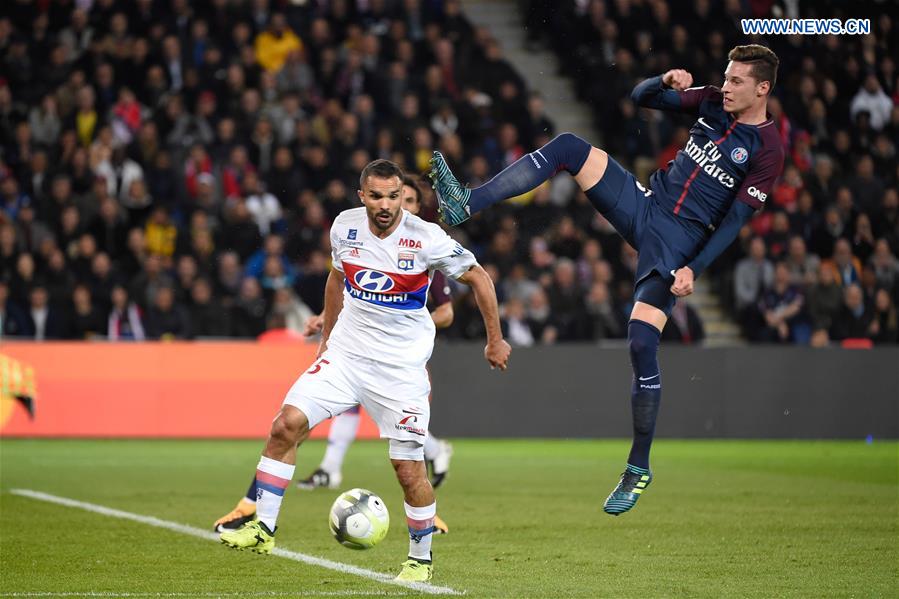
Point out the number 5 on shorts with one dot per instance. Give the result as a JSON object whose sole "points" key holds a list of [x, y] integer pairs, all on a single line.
{"points": [[317, 366]]}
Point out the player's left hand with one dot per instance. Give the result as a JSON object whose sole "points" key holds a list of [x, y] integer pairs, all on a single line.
{"points": [[313, 325], [683, 282], [497, 354]]}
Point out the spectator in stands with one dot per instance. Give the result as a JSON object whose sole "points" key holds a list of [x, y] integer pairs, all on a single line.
{"points": [[885, 324], [166, 319], [854, 319], [286, 305], [273, 45], [862, 240], [161, 234], [249, 314], [684, 326], [540, 318], [885, 265], [566, 299], [603, 318], [120, 172], [125, 321], [782, 307], [87, 320], [871, 99], [846, 267], [44, 321], [57, 279], [186, 272], [263, 206], [866, 186], [803, 266], [229, 277], [753, 275], [13, 320], [515, 326], [208, 317], [824, 299]]}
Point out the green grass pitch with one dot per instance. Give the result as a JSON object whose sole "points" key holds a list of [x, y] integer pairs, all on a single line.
{"points": [[721, 519]]}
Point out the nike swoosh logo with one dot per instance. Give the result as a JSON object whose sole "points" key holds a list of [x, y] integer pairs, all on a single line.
{"points": [[704, 124], [646, 378]]}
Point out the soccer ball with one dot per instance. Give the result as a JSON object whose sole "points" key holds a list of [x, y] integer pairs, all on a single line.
{"points": [[359, 519]]}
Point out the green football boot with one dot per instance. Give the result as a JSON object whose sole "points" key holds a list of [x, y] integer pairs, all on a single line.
{"points": [[415, 571], [253, 535], [452, 197], [632, 484]]}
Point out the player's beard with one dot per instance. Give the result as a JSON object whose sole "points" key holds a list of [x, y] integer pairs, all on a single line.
{"points": [[378, 223]]}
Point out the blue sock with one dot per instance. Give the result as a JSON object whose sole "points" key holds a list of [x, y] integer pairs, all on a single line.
{"points": [[566, 152], [251, 492], [646, 392]]}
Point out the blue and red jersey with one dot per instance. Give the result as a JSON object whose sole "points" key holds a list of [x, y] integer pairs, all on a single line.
{"points": [[723, 159]]}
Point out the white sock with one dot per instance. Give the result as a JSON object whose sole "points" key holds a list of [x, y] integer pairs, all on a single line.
{"points": [[272, 479], [342, 434], [432, 447], [420, 519]]}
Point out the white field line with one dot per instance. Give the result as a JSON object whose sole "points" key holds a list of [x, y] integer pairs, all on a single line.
{"points": [[424, 587], [254, 594]]}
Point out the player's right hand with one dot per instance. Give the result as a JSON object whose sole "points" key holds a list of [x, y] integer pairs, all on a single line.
{"points": [[497, 354], [678, 79], [313, 325]]}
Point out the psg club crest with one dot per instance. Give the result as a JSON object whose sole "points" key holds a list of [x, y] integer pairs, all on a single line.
{"points": [[405, 261], [739, 155], [351, 234]]}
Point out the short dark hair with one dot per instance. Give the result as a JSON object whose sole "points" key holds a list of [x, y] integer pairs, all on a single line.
{"points": [[382, 169], [413, 183], [763, 61]]}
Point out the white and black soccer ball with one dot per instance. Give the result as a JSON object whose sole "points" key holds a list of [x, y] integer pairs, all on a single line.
{"points": [[359, 519]]}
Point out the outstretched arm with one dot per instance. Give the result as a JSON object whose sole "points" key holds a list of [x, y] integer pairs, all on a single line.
{"points": [[671, 91], [497, 350]]}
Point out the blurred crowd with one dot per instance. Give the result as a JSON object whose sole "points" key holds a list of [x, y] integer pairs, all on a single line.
{"points": [[170, 169], [819, 263]]}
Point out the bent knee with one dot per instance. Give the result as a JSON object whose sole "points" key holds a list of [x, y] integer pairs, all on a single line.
{"points": [[289, 424], [593, 170]]}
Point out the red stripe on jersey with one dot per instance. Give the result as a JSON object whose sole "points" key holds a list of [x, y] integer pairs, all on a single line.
{"points": [[695, 172], [401, 283], [728, 132], [683, 194]]}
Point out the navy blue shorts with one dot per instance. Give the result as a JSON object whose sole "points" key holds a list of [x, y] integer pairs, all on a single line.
{"points": [[664, 241]]}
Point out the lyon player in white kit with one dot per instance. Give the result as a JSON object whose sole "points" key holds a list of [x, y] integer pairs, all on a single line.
{"points": [[377, 338]]}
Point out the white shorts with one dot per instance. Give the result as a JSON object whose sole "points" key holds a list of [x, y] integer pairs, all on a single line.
{"points": [[395, 397]]}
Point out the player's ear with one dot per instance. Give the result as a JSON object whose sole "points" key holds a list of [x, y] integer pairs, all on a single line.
{"points": [[763, 88], [359, 194]]}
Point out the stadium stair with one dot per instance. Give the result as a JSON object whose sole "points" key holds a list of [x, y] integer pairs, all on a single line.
{"points": [[538, 68], [503, 19], [720, 330]]}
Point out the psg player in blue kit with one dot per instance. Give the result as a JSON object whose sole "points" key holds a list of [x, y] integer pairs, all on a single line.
{"points": [[691, 212]]}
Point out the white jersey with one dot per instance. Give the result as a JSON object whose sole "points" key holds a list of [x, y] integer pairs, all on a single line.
{"points": [[385, 315]]}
